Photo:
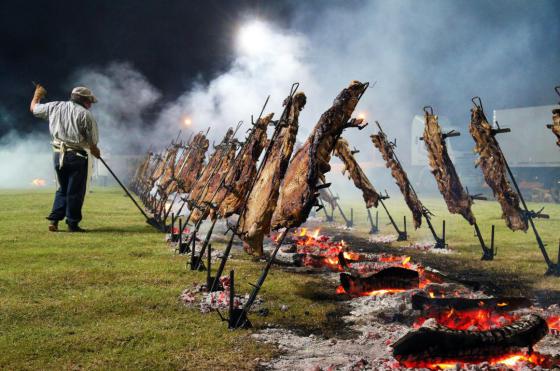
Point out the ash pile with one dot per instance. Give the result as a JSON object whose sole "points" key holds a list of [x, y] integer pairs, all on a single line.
{"points": [[401, 315]]}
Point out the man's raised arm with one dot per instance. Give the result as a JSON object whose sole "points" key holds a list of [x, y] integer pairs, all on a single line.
{"points": [[39, 94]]}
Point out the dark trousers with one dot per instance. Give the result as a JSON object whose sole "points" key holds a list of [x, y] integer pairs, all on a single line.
{"points": [[72, 181]]}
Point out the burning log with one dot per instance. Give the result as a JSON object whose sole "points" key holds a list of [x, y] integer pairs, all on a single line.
{"points": [[255, 219], [493, 164], [423, 302], [299, 190], [457, 199], [355, 172], [440, 344], [393, 278], [386, 148]]}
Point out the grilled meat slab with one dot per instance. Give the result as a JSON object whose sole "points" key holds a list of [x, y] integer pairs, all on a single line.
{"points": [[556, 125], [256, 217], [200, 186], [493, 164], [215, 183], [230, 198], [382, 144], [193, 164], [355, 172], [298, 193], [449, 185]]}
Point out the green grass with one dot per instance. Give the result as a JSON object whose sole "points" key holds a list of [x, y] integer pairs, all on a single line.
{"points": [[108, 299]]}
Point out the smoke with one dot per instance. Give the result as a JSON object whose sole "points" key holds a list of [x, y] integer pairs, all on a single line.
{"points": [[23, 159], [267, 62], [126, 98], [437, 53]]}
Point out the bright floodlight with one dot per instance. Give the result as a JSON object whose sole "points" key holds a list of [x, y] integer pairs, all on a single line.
{"points": [[253, 38], [187, 121]]}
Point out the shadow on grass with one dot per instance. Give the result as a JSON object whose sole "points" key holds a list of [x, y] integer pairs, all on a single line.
{"points": [[136, 229], [333, 325]]}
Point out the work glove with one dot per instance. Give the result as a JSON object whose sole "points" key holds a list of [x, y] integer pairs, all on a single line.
{"points": [[40, 92], [95, 151]]}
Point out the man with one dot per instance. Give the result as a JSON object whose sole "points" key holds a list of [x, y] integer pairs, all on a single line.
{"points": [[73, 130]]}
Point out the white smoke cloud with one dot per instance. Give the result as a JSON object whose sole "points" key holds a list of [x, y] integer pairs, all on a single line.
{"points": [[125, 96], [23, 159], [420, 53], [268, 61]]}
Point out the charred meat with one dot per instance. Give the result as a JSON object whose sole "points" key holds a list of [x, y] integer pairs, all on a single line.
{"points": [[298, 193], [193, 164], [449, 185], [240, 177], [493, 164], [257, 214], [355, 172], [382, 144], [555, 127]]}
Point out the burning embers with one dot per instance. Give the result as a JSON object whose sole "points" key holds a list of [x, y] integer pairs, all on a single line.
{"points": [[431, 346], [454, 325], [389, 280], [318, 251]]}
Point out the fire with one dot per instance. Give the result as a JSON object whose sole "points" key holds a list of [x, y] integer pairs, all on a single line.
{"points": [[303, 232], [510, 360], [316, 233], [340, 290], [382, 292], [554, 323], [38, 182], [349, 255], [481, 319]]}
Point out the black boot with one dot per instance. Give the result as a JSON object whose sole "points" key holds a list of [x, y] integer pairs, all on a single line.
{"points": [[75, 228]]}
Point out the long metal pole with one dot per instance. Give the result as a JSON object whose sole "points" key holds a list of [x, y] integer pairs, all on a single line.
{"points": [[124, 188], [261, 280], [402, 236]]}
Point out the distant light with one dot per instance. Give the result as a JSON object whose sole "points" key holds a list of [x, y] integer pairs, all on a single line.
{"points": [[253, 37], [362, 115], [187, 121]]}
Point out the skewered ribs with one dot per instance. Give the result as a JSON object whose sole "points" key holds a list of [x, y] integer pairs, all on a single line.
{"points": [[382, 144], [230, 197], [355, 172], [257, 214], [457, 199], [492, 162], [299, 191]]}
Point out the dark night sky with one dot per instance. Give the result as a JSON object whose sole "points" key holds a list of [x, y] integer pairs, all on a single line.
{"points": [[171, 42]]}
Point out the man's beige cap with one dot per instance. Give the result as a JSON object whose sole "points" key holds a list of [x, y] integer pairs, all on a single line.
{"points": [[84, 92]]}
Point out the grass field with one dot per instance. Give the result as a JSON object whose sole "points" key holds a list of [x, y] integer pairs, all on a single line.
{"points": [[108, 299]]}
